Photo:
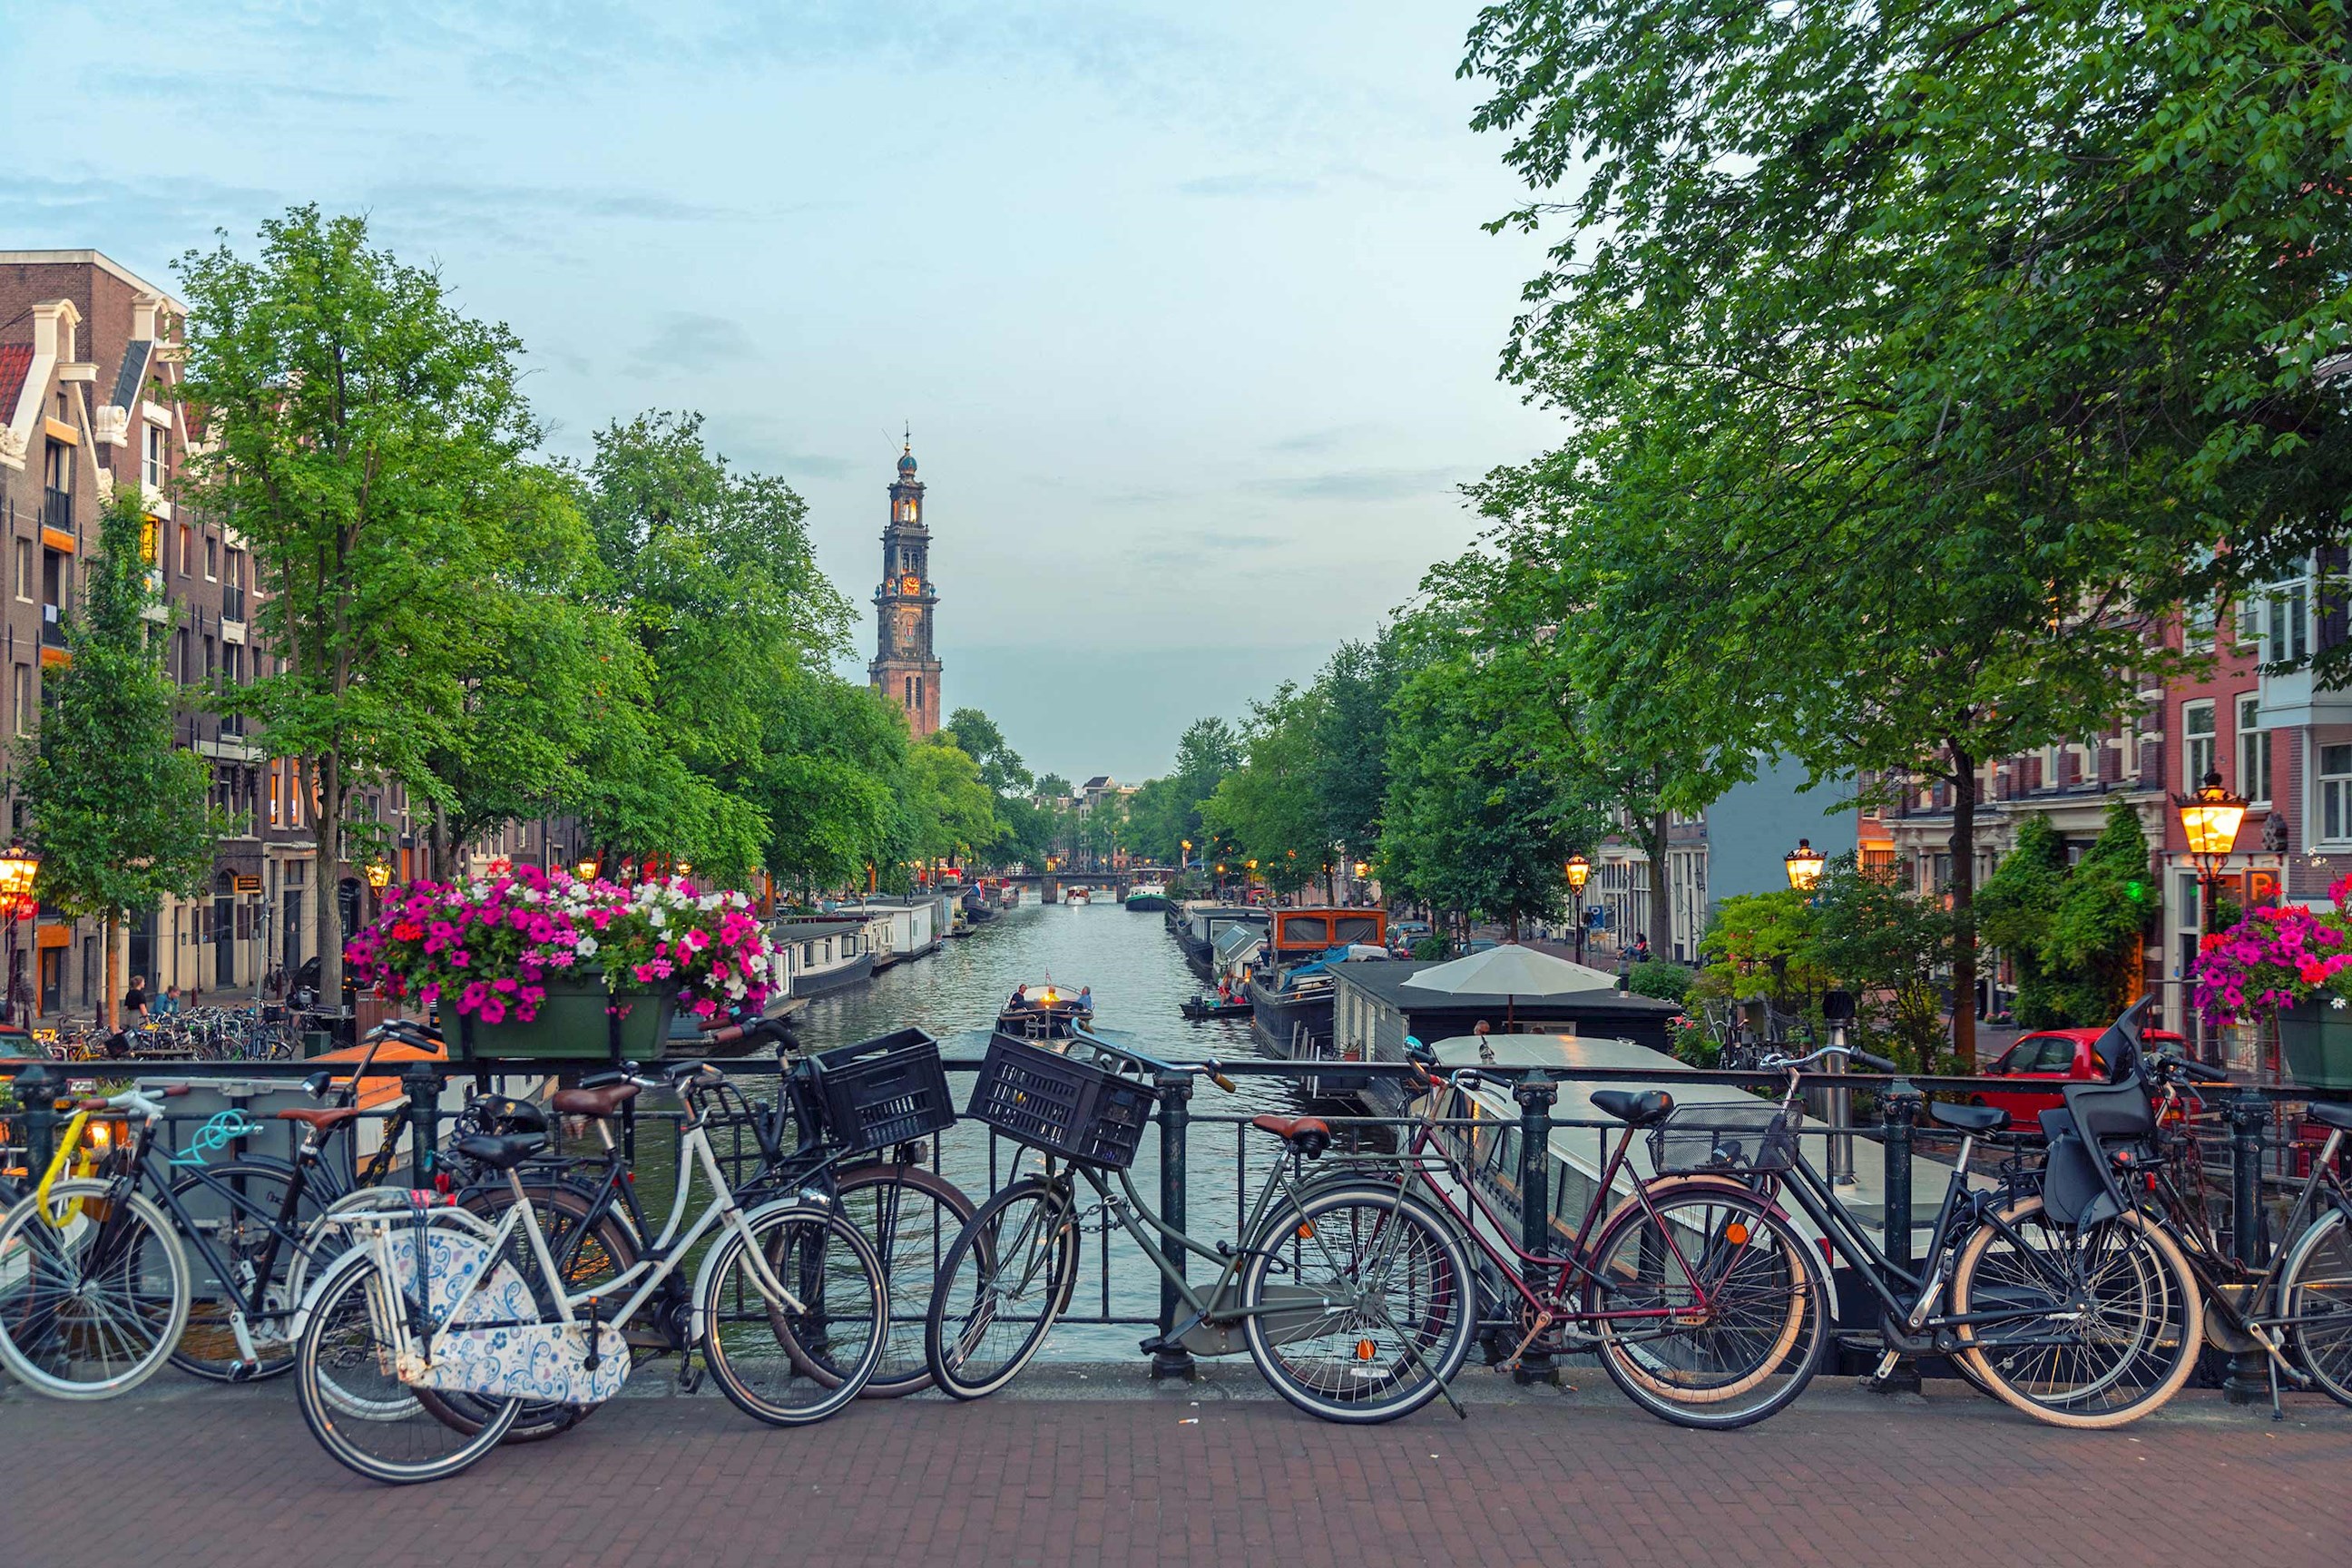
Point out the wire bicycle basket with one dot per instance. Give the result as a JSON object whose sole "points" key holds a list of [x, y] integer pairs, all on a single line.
{"points": [[1716, 1139]]}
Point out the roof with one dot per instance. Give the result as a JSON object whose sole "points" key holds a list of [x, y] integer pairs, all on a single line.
{"points": [[1100, 781], [1385, 982], [97, 259], [16, 360], [797, 929]]}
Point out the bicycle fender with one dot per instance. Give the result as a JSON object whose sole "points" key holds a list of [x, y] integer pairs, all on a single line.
{"points": [[1665, 1186], [752, 1219]]}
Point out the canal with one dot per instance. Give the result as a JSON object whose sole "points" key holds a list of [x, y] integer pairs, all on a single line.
{"points": [[1139, 977]]}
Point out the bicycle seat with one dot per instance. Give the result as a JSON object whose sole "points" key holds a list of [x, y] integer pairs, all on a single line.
{"points": [[600, 1103], [320, 1121], [1634, 1107], [2331, 1115], [1310, 1135], [501, 1153], [1967, 1117]]}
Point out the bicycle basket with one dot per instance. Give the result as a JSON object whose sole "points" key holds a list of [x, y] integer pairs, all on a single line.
{"points": [[1723, 1137], [1063, 1104], [889, 1089]]}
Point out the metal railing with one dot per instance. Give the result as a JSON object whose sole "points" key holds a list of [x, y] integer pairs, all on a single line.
{"points": [[56, 510], [1512, 1158]]}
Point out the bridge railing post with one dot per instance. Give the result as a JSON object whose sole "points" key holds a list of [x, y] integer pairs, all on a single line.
{"points": [[1175, 1130], [1536, 1095], [2250, 1113]]}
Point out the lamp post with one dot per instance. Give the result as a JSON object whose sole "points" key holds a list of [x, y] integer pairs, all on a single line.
{"points": [[2210, 818], [19, 868], [587, 868], [1580, 871], [1184, 855], [1804, 863]]}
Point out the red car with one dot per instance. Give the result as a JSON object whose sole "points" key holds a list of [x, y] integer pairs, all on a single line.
{"points": [[2053, 1056]]}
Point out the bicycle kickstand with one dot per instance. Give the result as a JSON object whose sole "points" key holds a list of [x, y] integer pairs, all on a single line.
{"points": [[688, 1379]]}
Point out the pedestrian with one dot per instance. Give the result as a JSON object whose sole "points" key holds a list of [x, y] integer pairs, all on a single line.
{"points": [[168, 1004], [134, 1002], [1485, 1049]]}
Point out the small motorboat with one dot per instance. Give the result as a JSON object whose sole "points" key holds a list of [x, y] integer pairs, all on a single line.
{"points": [[1077, 896], [1045, 1012], [1200, 1007]]}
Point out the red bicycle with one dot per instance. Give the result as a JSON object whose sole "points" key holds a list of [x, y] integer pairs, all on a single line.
{"points": [[1704, 1303]]}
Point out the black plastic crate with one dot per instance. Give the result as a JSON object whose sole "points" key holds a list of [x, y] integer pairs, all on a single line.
{"points": [[889, 1089], [1062, 1103]]}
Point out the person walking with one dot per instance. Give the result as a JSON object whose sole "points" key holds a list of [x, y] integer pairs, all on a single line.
{"points": [[134, 1002]]}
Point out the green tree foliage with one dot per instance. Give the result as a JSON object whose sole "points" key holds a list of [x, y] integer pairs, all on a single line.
{"points": [[1350, 743], [2075, 933], [1269, 808], [945, 807], [1890, 947], [2019, 901], [117, 812], [1000, 768], [1763, 944], [360, 431]]}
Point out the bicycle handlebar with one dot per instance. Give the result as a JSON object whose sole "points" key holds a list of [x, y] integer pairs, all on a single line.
{"points": [[1789, 1064], [2196, 1072]]}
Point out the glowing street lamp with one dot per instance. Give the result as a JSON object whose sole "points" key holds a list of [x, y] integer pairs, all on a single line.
{"points": [[19, 867], [1804, 863], [2209, 817], [1579, 871], [379, 875], [586, 868]]}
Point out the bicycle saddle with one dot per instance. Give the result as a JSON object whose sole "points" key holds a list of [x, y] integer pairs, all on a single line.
{"points": [[320, 1121], [501, 1153], [605, 1100], [1310, 1135], [1634, 1107], [1967, 1117], [2331, 1115]]}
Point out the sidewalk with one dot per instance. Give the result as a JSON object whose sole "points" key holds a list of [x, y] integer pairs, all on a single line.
{"points": [[1054, 1472]]}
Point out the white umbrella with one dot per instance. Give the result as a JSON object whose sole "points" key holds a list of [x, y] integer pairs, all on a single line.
{"points": [[1511, 970]]}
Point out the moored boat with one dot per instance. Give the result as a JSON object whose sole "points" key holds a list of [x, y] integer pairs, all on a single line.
{"points": [[1148, 896], [1198, 1008], [1291, 988], [824, 954]]}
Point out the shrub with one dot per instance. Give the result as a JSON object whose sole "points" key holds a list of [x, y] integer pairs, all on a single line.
{"points": [[1660, 977]]}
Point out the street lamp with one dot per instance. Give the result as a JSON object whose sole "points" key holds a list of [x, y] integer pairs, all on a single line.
{"points": [[1580, 871], [2210, 818], [1805, 863], [379, 875], [19, 867], [1184, 859], [586, 869]]}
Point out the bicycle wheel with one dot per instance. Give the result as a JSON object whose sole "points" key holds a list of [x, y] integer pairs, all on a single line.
{"points": [[1359, 1305], [1004, 1281], [2094, 1329], [90, 1306], [912, 1216], [242, 1232], [1709, 1309], [354, 1402], [764, 1351], [2316, 1294]]}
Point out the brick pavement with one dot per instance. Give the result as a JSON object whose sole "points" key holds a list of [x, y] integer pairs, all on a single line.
{"points": [[199, 1477]]}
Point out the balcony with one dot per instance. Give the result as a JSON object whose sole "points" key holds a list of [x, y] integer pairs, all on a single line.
{"points": [[56, 510], [53, 631]]}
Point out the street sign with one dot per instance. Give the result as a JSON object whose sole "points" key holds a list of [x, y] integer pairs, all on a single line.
{"points": [[248, 884]]}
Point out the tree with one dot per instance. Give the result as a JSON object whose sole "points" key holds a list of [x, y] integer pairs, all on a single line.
{"points": [[2020, 900], [946, 807], [1269, 807], [358, 431], [1351, 739], [2075, 933], [119, 814], [1052, 786], [1889, 946], [1000, 768]]}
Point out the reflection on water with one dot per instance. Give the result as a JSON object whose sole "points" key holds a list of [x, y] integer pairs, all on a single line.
{"points": [[1138, 976]]}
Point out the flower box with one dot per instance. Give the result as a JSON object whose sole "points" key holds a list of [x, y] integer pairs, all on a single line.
{"points": [[578, 1021], [2316, 1041]]}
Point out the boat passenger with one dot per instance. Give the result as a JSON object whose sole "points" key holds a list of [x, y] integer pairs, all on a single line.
{"points": [[1085, 999], [1020, 997]]}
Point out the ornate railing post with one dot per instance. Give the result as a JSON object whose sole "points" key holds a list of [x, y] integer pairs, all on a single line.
{"points": [[36, 1091], [1175, 1124], [1900, 1111], [1536, 1094], [423, 1087], [2250, 1112]]}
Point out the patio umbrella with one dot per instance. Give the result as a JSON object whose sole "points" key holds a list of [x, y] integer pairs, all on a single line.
{"points": [[1513, 971]]}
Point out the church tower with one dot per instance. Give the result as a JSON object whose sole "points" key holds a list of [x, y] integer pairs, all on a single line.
{"points": [[906, 668]]}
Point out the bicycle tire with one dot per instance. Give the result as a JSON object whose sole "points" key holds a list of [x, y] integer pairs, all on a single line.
{"points": [[785, 1395], [1765, 1335], [39, 1333], [1043, 1232], [241, 1237], [2325, 1351], [343, 1328], [1365, 1381], [2150, 1268], [910, 1255]]}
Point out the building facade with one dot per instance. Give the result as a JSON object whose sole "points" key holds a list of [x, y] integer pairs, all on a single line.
{"points": [[905, 667]]}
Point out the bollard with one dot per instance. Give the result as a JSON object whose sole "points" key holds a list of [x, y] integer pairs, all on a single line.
{"points": [[36, 1092], [1536, 1095], [423, 1087], [1175, 1120], [2250, 1380], [1900, 1112]]}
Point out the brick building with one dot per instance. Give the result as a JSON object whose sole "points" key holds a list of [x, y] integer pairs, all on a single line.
{"points": [[905, 667]]}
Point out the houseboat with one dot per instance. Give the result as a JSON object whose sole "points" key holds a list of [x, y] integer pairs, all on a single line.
{"points": [[1146, 896], [823, 955], [1290, 988], [901, 929], [1204, 921]]}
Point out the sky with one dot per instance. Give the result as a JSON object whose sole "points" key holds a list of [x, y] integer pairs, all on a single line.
{"points": [[1189, 306]]}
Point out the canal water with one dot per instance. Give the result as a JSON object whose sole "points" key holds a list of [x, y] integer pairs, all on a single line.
{"points": [[1139, 977]]}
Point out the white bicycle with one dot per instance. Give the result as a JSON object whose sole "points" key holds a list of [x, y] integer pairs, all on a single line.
{"points": [[421, 1345]]}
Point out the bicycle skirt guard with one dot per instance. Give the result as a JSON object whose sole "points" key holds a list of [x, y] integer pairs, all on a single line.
{"points": [[515, 1354]]}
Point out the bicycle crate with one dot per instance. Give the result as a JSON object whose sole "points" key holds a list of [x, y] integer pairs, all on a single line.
{"points": [[888, 1090], [1062, 1102], [1723, 1138]]}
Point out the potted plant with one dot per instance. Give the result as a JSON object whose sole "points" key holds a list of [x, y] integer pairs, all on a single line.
{"points": [[543, 965], [2295, 965]]}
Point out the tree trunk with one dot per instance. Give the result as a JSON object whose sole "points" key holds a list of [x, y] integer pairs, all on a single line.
{"points": [[1662, 905], [328, 927], [113, 977], [1963, 894], [440, 842]]}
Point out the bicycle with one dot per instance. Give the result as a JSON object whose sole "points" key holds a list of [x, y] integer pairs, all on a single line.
{"points": [[1352, 1298], [1704, 1304], [2078, 1314], [86, 1256], [415, 1308]]}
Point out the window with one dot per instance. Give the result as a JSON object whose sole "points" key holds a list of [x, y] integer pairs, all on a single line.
{"points": [[2334, 793], [180, 655], [2197, 631], [212, 660], [2287, 639], [2196, 744], [157, 458], [2254, 751], [187, 551], [212, 559], [275, 782], [25, 570], [233, 663], [21, 713]]}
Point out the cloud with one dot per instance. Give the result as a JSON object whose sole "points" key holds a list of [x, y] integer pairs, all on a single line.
{"points": [[1321, 440], [1226, 186], [1368, 484], [692, 341]]}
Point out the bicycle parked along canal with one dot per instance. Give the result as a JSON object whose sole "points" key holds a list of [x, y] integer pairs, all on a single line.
{"points": [[1352, 1296]]}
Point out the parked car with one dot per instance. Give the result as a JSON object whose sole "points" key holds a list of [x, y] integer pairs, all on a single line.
{"points": [[2057, 1058]]}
